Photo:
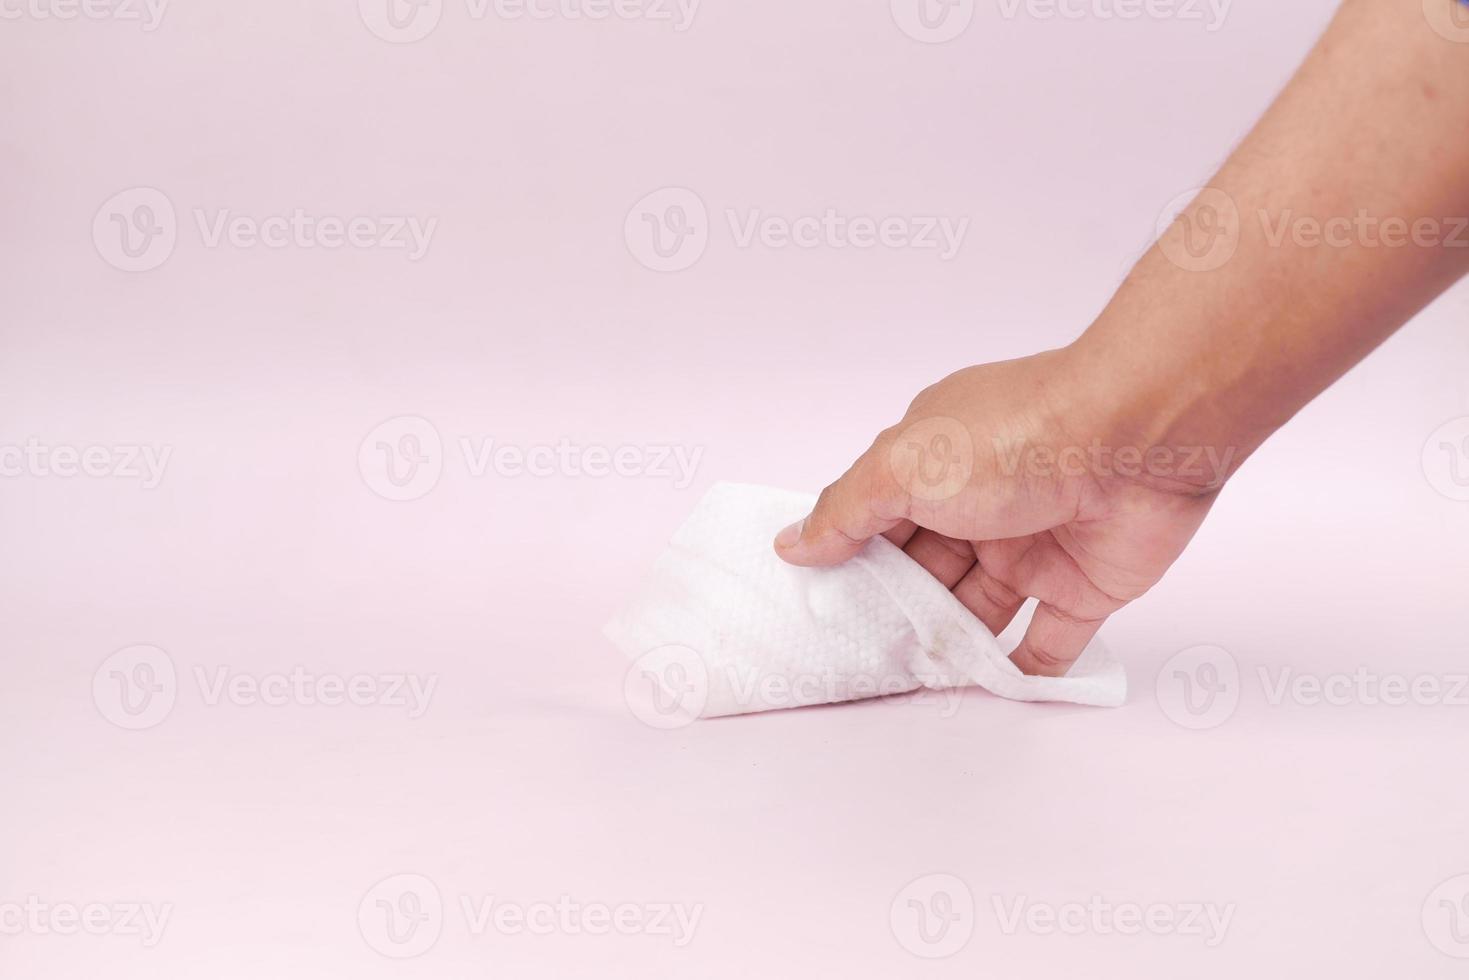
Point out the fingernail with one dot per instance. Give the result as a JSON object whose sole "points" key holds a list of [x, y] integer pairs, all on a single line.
{"points": [[792, 534]]}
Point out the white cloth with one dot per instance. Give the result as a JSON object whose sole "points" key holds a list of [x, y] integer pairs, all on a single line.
{"points": [[725, 627]]}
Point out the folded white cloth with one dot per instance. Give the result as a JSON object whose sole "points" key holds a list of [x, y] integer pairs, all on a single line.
{"points": [[723, 626]]}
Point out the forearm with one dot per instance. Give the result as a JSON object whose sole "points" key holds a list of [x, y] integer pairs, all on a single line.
{"points": [[1343, 200]]}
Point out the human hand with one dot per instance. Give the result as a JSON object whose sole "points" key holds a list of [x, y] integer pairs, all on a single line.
{"points": [[1075, 476], [1015, 480]]}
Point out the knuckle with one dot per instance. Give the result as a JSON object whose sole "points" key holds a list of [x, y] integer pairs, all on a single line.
{"points": [[824, 511], [998, 592], [1046, 655]]}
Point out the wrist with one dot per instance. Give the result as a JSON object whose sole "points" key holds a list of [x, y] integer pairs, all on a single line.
{"points": [[1164, 421]]}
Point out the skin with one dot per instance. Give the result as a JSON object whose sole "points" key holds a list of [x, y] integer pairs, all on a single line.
{"points": [[1227, 327]]}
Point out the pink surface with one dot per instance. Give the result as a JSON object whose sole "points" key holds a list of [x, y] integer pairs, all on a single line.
{"points": [[1330, 834]]}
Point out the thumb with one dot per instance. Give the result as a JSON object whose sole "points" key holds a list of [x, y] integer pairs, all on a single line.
{"points": [[864, 503]]}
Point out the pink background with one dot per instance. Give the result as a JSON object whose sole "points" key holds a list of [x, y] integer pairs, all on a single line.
{"points": [[530, 321]]}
